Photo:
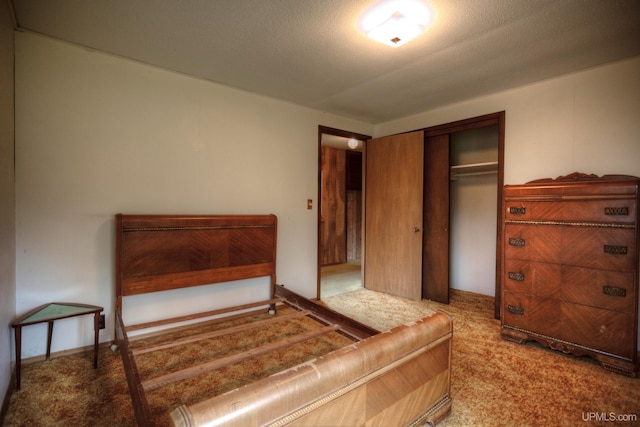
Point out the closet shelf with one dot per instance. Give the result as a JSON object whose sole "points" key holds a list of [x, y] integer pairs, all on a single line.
{"points": [[474, 169]]}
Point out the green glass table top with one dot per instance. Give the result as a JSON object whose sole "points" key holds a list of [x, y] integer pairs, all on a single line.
{"points": [[50, 313], [56, 311]]}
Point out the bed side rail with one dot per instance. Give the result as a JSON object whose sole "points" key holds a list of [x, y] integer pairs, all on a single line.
{"points": [[138, 398]]}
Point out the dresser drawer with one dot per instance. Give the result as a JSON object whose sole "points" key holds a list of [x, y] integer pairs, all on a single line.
{"points": [[530, 313], [533, 243], [594, 247], [617, 211], [516, 309], [609, 331], [533, 278], [611, 290], [599, 247]]}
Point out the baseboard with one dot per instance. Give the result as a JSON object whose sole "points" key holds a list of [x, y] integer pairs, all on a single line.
{"points": [[69, 352], [7, 397]]}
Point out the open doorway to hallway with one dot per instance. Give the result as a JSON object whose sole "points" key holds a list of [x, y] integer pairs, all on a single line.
{"points": [[340, 211], [340, 278]]}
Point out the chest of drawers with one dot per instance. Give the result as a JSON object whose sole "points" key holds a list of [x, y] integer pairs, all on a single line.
{"points": [[571, 267]]}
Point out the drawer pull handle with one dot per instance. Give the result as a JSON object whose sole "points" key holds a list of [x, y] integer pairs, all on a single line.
{"points": [[514, 210], [519, 277], [515, 310], [613, 291], [516, 242], [615, 250], [616, 211]]}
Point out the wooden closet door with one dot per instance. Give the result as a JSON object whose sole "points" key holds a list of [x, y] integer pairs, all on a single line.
{"points": [[393, 214], [436, 219]]}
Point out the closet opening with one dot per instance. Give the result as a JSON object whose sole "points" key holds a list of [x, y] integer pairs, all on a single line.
{"points": [[473, 201], [472, 226]]}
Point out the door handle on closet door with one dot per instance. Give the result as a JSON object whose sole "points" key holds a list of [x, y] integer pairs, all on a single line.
{"points": [[416, 229]]}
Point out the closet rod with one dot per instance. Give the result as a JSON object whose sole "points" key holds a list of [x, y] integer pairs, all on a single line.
{"points": [[463, 174], [484, 165], [474, 169]]}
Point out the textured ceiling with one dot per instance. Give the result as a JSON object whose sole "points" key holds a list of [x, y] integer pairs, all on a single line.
{"points": [[312, 53]]}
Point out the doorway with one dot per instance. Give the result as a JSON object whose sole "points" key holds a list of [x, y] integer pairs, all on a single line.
{"points": [[340, 211]]}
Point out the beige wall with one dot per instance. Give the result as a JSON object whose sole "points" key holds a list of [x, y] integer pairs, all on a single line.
{"points": [[7, 198], [584, 122], [98, 135]]}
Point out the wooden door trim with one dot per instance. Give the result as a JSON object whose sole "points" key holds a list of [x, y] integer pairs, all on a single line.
{"points": [[466, 124]]}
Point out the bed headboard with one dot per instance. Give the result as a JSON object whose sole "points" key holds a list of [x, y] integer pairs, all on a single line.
{"points": [[163, 252]]}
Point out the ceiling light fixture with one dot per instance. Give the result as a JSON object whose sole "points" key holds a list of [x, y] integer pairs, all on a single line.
{"points": [[353, 143], [395, 22]]}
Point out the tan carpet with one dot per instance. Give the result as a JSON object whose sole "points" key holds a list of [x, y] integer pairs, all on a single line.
{"points": [[494, 382], [499, 383]]}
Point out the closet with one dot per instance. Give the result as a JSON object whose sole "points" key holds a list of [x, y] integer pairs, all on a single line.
{"points": [[473, 209], [455, 172]]}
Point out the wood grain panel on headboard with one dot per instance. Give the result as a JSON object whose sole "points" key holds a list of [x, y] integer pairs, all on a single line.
{"points": [[163, 252]]}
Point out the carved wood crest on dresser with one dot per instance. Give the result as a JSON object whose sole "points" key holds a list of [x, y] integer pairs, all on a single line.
{"points": [[570, 272]]}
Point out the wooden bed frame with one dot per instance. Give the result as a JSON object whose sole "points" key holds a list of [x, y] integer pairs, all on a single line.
{"points": [[398, 377]]}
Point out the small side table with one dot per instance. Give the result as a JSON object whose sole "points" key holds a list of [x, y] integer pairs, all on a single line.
{"points": [[49, 313]]}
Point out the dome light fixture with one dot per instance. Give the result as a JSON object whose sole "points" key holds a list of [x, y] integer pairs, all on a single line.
{"points": [[352, 143], [396, 22]]}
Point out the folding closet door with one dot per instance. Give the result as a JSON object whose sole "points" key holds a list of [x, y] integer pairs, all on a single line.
{"points": [[393, 214], [435, 262]]}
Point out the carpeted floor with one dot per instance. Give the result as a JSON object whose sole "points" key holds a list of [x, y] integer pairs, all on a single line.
{"points": [[494, 382], [499, 383]]}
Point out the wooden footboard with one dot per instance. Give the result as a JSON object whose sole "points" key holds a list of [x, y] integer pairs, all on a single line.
{"points": [[399, 377]]}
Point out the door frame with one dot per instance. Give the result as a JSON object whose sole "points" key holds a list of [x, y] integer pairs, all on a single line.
{"points": [[325, 130]]}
